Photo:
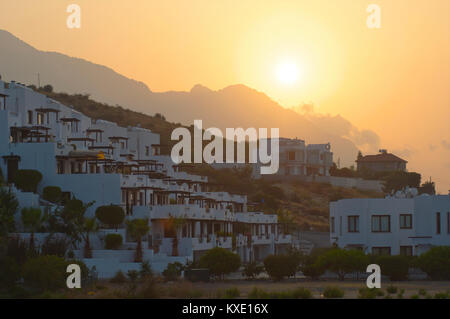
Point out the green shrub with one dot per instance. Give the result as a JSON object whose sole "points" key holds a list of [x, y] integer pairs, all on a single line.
{"points": [[395, 267], [369, 293], [27, 180], [119, 278], [54, 246], [415, 296], [400, 293], [113, 241], [232, 293], [220, 261], [441, 295], [436, 262], [342, 261], [111, 215], [45, 272], [314, 271], [280, 266], [333, 292], [251, 270], [9, 272], [391, 289], [146, 270], [301, 293], [422, 292], [173, 271], [52, 194], [258, 293]]}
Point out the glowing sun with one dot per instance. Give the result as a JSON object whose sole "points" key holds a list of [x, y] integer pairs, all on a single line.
{"points": [[287, 73]]}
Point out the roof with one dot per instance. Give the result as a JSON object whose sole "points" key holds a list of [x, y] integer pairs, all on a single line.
{"points": [[383, 157]]}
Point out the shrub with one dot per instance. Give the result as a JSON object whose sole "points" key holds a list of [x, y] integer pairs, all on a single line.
{"points": [[281, 266], [301, 293], [52, 194], [113, 241], [173, 271], [149, 289], [232, 293], [441, 295], [342, 261], [422, 292], [8, 207], [258, 293], [27, 180], [251, 270], [436, 262], [119, 278], [415, 296], [395, 267], [146, 270], [111, 215], [391, 289], [45, 272], [369, 293], [54, 246], [9, 272], [333, 292], [220, 261], [314, 270]]}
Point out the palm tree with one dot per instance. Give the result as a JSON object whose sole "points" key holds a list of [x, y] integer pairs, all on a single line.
{"points": [[90, 226], [137, 228], [32, 220]]}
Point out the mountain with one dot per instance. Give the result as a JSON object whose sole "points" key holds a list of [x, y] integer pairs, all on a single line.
{"points": [[233, 106]]}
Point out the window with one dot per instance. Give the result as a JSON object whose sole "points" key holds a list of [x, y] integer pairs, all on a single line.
{"points": [[381, 223], [291, 156], [405, 221], [147, 151], [332, 224], [406, 250], [40, 118], [30, 117], [353, 224], [379, 251], [438, 223]]}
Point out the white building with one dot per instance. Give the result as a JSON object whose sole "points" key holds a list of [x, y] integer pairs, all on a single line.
{"points": [[393, 226], [97, 160]]}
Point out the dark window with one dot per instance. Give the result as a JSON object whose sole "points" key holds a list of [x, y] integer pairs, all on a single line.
{"points": [[406, 250], [332, 224], [147, 151], [30, 117], [405, 221], [381, 223], [438, 223], [379, 251], [353, 224], [292, 156]]}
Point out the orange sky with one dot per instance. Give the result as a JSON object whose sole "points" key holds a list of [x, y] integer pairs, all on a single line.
{"points": [[394, 80]]}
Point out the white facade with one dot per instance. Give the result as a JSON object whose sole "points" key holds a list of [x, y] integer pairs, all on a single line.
{"points": [[393, 226], [97, 160]]}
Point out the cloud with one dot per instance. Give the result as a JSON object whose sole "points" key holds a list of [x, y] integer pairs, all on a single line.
{"points": [[445, 145], [406, 152], [366, 140]]}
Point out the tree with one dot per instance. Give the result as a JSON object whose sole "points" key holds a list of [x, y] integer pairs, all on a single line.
{"points": [[27, 180], [286, 220], [111, 215], [52, 194], [89, 227], [342, 261], [137, 228], [398, 180], [113, 241], [32, 221], [45, 272], [8, 207], [251, 270], [220, 261], [395, 267], [280, 266]]}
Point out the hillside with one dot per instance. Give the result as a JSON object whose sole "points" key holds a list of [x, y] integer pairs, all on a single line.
{"points": [[233, 106]]}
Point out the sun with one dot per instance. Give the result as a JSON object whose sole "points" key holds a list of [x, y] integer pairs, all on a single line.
{"points": [[287, 73]]}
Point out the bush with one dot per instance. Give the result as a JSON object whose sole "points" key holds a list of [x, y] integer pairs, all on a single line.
{"points": [[281, 266], [173, 271], [119, 278], [45, 272], [27, 180], [52, 194], [258, 293], [113, 241], [301, 293], [146, 270], [232, 293], [313, 270], [369, 293], [54, 246], [333, 292], [111, 215], [391, 289], [220, 261], [441, 295], [251, 270], [9, 272], [395, 267], [342, 261], [436, 262]]}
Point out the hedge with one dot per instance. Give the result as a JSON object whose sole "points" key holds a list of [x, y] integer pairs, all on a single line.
{"points": [[111, 215], [52, 194], [27, 180], [436, 262], [113, 241]]}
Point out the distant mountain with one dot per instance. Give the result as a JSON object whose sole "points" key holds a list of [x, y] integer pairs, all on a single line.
{"points": [[233, 106]]}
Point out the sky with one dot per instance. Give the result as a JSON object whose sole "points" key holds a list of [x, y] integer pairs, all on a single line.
{"points": [[394, 80]]}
